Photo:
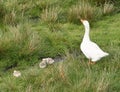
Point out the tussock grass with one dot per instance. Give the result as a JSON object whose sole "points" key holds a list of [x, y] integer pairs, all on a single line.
{"points": [[32, 30], [108, 8], [86, 10], [82, 9], [51, 11], [17, 43], [50, 15], [74, 74], [17, 35]]}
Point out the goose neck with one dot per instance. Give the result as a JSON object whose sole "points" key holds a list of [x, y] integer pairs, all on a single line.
{"points": [[86, 35]]}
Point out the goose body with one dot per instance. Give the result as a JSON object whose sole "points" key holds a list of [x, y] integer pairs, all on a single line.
{"points": [[90, 49]]}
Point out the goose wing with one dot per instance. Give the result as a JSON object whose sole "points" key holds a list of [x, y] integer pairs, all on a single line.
{"points": [[97, 51]]}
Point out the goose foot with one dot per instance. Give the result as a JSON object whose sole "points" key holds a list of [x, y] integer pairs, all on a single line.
{"points": [[91, 63]]}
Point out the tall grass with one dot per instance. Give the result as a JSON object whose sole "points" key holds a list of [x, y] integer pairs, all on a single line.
{"points": [[11, 12], [24, 41], [50, 10], [18, 42], [108, 8], [82, 9], [50, 14], [86, 10], [2, 12], [20, 35]]}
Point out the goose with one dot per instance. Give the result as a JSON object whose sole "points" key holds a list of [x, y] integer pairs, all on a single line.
{"points": [[90, 49]]}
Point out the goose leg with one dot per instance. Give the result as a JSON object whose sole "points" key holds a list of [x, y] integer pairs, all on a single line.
{"points": [[90, 62]]}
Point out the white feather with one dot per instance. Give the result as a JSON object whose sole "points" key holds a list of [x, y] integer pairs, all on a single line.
{"points": [[90, 49]]}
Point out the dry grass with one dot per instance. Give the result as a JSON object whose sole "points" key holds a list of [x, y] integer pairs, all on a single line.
{"points": [[81, 10], [108, 8], [50, 15]]}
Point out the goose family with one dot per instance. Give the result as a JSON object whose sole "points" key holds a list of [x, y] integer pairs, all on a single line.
{"points": [[90, 49]]}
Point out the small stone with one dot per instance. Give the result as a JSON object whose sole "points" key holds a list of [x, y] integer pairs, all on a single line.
{"points": [[50, 60], [16, 73], [42, 64]]}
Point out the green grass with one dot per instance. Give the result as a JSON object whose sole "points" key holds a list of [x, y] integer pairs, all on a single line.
{"points": [[74, 74], [15, 11], [33, 29]]}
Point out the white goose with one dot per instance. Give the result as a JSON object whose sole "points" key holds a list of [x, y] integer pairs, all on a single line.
{"points": [[90, 49]]}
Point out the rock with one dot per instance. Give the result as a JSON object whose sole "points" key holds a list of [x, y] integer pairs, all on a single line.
{"points": [[42, 64], [16, 73], [49, 60], [46, 61]]}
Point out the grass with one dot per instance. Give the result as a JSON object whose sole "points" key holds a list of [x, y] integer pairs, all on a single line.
{"points": [[13, 11], [50, 15], [17, 43], [35, 29], [82, 9], [74, 74], [108, 8]]}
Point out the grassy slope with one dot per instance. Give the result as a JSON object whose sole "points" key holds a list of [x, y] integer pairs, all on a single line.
{"points": [[75, 75]]}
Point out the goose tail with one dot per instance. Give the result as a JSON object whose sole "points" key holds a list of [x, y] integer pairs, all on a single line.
{"points": [[106, 54]]}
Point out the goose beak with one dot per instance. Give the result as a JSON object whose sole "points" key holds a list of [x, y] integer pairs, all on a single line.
{"points": [[81, 20]]}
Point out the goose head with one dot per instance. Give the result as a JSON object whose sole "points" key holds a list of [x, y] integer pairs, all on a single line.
{"points": [[85, 23]]}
